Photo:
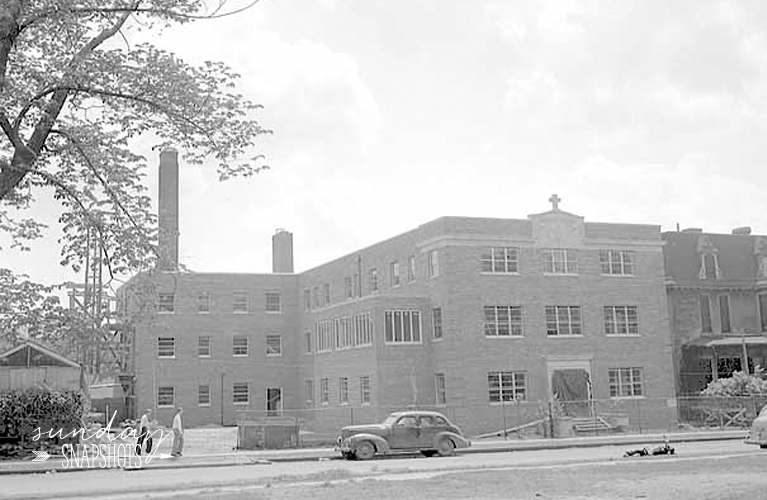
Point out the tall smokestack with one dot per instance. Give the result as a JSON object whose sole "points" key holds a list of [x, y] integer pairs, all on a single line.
{"points": [[282, 252], [168, 210]]}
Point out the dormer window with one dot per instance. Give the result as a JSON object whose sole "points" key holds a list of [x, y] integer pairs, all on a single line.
{"points": [[709, 267]]}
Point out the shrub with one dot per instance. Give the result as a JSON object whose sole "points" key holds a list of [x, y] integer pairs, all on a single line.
{"points": [[23, 411], [738, 385]]}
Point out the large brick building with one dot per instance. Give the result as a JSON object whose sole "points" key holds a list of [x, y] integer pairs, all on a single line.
{"points": [[717, 292], [460, 313]]}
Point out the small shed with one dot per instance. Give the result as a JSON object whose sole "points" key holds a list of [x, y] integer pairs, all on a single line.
{"points": [[31, 365]]}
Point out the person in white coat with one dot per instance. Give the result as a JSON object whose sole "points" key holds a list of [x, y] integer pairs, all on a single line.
{"points": [[178, 433]]}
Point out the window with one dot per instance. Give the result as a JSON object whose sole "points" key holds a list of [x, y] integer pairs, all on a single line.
{"points": [[324, 391], [436, 317], [560, 261], [374, 279], [343, 390], [365, 390], [503, 321], [348, 287], [439, 384], [166, 397], [273, 302], [203, 346], [343, 332], [616, 262], [621, 320], [357, 286], [166, 347], [273, 401], [363, 329], [274, 345], [500, 260], [724, 313], [705, 314], [308, 336], [309, 390], [433, 264], [240, 303], [563, 320], [316, 294], [403, 327], [307, 299], [763, 311], [506, 386], [394, 273], [166, 303], [240, 393], [709, 267], [326, 293], [239, 345], [625, 382], [323, 330], [203, 395], [411, 268], [203, 303]]}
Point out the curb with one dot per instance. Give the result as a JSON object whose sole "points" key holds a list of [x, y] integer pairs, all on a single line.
{"points": [[503, 446]]}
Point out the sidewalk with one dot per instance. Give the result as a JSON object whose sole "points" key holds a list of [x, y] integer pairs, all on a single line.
{"points": [[232, 458]]}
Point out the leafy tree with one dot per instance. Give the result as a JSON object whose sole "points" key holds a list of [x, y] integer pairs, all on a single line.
{"points": [[74, 94], [738, 385]]}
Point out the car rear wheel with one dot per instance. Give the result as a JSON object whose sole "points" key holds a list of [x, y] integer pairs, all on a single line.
{"points": [[763, 446], [364, 450], [428, 453], [445, 447]]}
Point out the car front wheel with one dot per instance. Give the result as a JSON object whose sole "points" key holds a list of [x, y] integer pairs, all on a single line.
{"points": [[445, 447], [365, 450], [428, 453]]}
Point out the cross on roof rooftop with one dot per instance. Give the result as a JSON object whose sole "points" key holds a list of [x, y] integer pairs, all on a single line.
{"points": [[554, 199]]}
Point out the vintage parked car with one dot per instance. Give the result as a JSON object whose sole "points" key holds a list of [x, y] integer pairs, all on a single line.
{"points": [[758, 432], [427, 432]]}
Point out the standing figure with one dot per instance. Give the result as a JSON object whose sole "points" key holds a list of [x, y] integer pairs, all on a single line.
{"points": [[178, 433], [145, 432]]}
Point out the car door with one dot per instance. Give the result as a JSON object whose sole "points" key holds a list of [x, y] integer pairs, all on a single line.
{"points": [[430, 427], [405, 433]]}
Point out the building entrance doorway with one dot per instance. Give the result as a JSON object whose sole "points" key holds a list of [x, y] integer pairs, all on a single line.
{"points": [[570, 384]]}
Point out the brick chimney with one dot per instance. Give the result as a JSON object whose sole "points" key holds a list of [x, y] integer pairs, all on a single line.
{"points": [[168, 211], [282, 252], [742, 231]]}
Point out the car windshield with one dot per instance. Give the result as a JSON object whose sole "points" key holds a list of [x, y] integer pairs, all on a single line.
{"points": [[390, 419]]}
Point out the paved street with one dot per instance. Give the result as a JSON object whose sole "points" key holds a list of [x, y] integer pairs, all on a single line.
{"points": [[699, 471]]}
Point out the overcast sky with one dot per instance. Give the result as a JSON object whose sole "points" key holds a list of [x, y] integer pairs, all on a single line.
{"points": [[390, 113]]}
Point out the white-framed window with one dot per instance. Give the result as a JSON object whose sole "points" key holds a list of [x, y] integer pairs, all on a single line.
{"points": [[621, 320], [240, 393], [273, 302], [203, 395], [507, 386], [166, 303], [343, 390], [403, 327], [203, 303], [309, 390], [166, 347], [503, 321], [240, 346], [324, 391], [433, 267], [394, 273], [204, 346], [274, 345], [239, 303], [724, 313], [563, 321], [348, 288], [307, 299], [411, 268], [500, 260], [324, 332], [365, 390], [709, 266], [326, 293], [273, 401], [436, 318], [705, 314], [308, 345], [363, 329], [616, 262], [166, 397], [374, 279], [560, 261], [626, 382], [441, 389], [316, 295]]}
